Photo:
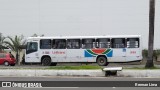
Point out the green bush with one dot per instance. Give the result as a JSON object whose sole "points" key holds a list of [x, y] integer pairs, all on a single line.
{"points": [[145, 53], [156, 53]]}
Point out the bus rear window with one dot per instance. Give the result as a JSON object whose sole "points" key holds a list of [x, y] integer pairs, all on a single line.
{"points": [[132, 42]]}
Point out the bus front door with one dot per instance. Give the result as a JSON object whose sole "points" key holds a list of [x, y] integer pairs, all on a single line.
{"points": [[32, 53]]}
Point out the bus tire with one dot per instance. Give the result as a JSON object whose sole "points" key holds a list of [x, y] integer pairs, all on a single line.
{"points": [[102, 61], [53, 64], [46, 61]]}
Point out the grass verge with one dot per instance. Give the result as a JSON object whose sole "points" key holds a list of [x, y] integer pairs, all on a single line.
{"points": [[82, 67]]}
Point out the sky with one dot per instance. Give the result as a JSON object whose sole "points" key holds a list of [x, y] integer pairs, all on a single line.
{"points": [[78, 17]]}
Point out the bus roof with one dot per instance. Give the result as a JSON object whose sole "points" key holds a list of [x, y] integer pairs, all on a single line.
{"points": [[76, 37]]}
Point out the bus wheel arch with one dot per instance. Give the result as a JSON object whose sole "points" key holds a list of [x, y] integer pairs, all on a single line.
{"points": [[46, 60], [102, 60]]}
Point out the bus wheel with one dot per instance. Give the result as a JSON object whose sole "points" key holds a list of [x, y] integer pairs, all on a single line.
{"points": [[46, 61], [102, 61], [53, 64]]}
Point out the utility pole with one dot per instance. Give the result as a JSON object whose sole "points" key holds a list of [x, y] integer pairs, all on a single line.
{"points": [[149, 63]]}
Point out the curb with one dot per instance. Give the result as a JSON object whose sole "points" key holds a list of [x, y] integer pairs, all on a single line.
{"points": [[39, 73], [139, 73], [86, 73]]}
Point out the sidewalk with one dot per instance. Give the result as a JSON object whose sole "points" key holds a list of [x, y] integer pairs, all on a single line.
{"points": [[39, 73], [139, 73], [87, 73]]}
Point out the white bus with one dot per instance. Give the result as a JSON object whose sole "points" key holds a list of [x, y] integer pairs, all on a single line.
{"points": [[99, 49]]}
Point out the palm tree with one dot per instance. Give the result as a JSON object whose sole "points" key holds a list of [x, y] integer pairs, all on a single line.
{"points": [[14, 44], [149, 63], [1, 42]]}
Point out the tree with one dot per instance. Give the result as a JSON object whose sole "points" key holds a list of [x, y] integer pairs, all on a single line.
{"points": [[14, 44], [36, 35], [1, 42], [149, 63], [156, 54]]}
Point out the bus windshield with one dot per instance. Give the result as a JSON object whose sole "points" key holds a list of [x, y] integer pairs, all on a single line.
{"points": [[31, 47]]}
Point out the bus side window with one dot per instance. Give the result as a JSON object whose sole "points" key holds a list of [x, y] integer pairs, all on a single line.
{"points": [[73, 43], [132, 42], [45, 44], [88, 43], [103, 43], [59, 44], [118, 42]]}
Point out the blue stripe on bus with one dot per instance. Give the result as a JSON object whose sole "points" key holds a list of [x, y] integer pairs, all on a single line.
{"points": [[87, 54]]}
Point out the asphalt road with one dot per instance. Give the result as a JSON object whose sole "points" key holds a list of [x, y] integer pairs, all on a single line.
{"points": [[63, 78], [87, 88], [79, 79]]}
